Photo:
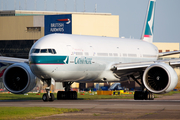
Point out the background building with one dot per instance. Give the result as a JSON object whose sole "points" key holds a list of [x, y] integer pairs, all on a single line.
{"points": [[20, 29]]}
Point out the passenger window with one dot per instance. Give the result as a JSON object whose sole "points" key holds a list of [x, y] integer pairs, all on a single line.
{"points": [[36, 50], [50, 51], [44, 51], [54, 51]]}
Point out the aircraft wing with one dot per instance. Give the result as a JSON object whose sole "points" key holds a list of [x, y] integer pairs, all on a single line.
{"points": [[169, 53], [124, 69], [12, 60]]}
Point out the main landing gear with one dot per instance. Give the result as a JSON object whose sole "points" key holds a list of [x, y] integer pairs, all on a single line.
{"points": [[48, 96], [67, 94], [144, 94]]}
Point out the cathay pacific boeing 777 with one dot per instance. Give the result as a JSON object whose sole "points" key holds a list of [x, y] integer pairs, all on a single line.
{"points": [[70, 58]]}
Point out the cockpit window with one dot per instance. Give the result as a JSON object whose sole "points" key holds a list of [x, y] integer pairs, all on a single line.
{"points": [[54, 51], [36, 51], [32, 51], [44, 51], [50, 51]]}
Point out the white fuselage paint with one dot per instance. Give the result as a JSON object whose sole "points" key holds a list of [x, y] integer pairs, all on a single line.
{"points": [[88, 58]]}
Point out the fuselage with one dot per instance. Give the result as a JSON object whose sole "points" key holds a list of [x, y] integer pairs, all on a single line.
{"points": [[65, 57]]}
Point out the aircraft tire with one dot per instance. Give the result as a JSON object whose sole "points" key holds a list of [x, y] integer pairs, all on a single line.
{"points": [[74, 95], [52, 97], [45, 97], [147, 96], [139, 95], [62, 95], [151, 96]]}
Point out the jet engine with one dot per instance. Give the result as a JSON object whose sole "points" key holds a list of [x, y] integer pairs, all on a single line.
{"points": [[19, 79], [160, 78]]}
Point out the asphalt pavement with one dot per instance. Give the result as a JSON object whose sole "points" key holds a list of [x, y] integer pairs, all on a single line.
{"points": [[167, 107]]}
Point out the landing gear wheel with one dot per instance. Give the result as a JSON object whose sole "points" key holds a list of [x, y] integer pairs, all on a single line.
{"points": [[60, 95], [52, 97], [144, 94], [64, 95], [141, 95], [45, 97], [74, 95], [138, 95], [151, 96]]}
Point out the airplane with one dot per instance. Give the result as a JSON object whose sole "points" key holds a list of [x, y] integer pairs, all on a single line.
{"points": [[71, 58]]}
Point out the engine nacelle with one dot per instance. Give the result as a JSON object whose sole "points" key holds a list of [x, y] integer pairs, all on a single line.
{"points": [[19, 79], [160, 78]]}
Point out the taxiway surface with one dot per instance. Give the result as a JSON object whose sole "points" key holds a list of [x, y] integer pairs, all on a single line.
{"points": [[160, 108]]}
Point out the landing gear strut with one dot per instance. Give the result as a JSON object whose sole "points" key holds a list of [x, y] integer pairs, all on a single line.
{"points": [[67, 94], [48, 96], [144, 94]]}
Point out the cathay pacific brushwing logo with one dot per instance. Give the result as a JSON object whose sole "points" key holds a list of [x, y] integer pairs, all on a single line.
{"points": [[66, 60], [150, 20]]}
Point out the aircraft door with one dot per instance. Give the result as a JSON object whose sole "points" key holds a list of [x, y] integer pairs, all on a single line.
{"points": [[91, 51], [139, 53]]}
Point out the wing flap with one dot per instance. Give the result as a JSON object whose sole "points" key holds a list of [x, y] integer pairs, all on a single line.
{"points": [[124, 66], [174, 63]]}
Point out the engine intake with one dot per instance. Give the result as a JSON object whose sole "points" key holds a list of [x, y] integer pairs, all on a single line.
{"points": [[160, 78], [19, 79]]}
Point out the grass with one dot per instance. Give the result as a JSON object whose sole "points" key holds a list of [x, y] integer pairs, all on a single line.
{"points": [[95, 114], [86, 96], [7, 113], [30, 96], [171, 93], [167, 94], [33, 96]]}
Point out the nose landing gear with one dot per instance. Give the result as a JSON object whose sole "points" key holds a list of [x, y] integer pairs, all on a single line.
{"points": [[48, 96]]}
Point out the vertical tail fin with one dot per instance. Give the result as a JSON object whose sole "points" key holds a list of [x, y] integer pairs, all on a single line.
{"points": [[147, 34]]}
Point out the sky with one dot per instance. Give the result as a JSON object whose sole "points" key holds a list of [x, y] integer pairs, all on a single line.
{"points": [[131, 14]]}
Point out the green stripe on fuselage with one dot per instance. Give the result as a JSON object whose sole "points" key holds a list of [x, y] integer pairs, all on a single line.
{"points": [[49, 59]]}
